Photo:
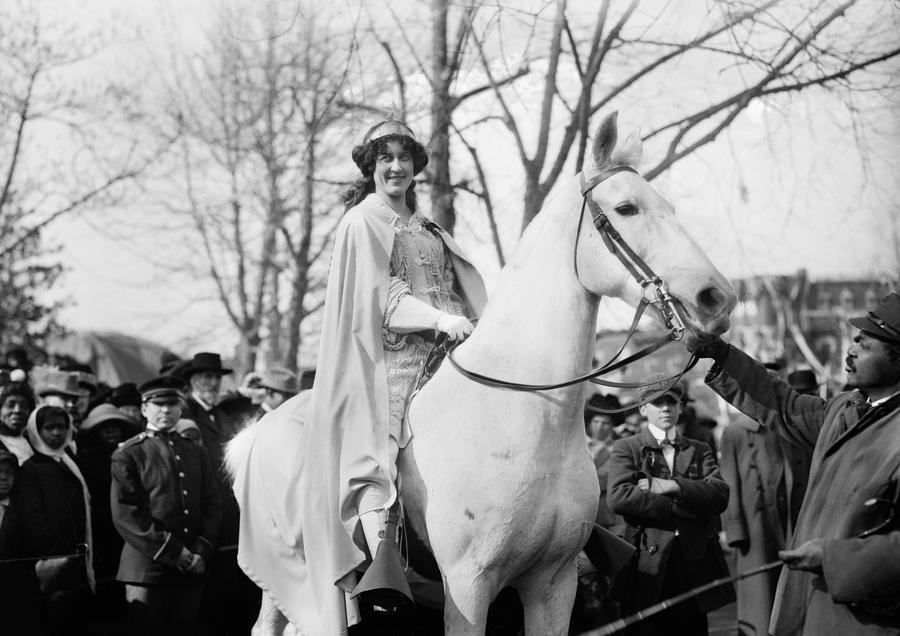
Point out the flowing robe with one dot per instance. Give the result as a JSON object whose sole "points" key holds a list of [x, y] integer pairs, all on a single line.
{"points": [[300, 536]]}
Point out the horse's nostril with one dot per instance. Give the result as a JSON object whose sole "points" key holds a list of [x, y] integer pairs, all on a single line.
{"points": [[711, 300]]}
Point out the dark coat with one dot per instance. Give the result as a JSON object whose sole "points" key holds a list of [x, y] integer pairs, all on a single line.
{"points": [[163, 499], [20, 607], [704, 496], [855, 459], [767, 478], [217, 427], [51, 502], [95, 460]]}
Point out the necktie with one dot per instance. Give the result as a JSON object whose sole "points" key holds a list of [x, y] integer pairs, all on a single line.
{"points": [[863, 407]]}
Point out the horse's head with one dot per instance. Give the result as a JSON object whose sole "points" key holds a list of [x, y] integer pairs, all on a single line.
{"points": [[647, 224]]}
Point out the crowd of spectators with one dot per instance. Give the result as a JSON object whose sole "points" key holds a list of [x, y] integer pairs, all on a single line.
{"points": [[75, 518]]}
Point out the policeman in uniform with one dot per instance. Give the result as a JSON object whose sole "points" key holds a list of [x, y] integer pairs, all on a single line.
{"points": [[166, 506]]}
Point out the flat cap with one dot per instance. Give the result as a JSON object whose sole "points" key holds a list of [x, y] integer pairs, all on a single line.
{"points": [[659, 385]]}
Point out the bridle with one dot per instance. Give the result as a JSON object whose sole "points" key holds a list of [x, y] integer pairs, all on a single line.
{"points": [[664, 304]]}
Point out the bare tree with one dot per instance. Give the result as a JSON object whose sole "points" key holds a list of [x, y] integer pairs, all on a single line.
{"points": [[745, 52], [252, 119], [65, 148]]}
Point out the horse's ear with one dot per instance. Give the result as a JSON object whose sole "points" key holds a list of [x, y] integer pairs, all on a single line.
{"points": [[630, 151], [605, 140]]}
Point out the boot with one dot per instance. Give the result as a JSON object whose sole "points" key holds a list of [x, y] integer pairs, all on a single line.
{"points": [[384, 583]]}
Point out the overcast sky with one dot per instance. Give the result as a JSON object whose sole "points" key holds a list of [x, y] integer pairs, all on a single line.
{"points": [[758, 202]]}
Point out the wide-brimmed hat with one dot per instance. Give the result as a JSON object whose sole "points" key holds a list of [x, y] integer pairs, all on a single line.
{"points": [[883, 322], [108, 413], [803, 380], [205, 361], [61, 383], [660, 385], [280, 379], [87, 379]]}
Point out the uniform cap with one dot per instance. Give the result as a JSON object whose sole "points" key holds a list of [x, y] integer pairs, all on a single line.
{"points": [[163, 386], [883, 322]]}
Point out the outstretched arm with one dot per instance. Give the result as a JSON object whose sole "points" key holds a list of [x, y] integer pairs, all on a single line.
{"points": [[746, 384]]}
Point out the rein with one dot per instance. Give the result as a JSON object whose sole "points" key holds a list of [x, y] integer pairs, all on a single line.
{"points": [[642, 274]]}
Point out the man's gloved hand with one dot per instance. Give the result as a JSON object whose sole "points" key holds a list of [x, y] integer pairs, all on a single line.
{"points": [[457, 327], [710, 347]]}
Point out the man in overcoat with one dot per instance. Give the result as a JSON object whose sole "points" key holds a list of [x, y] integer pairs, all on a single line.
{"points": [[231, 602], [669, 491], [767, 477], [843, 569], [166, 506]]}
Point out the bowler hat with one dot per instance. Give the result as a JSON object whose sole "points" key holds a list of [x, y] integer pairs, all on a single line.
{"points": [[108, 413], [599, 403], [205, 361], [61, 383], [803, 380], [126, 394], [279, 379], [883, 322], [660, 385], [163, 386]]}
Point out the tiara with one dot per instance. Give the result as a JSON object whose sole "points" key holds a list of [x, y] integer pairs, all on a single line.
{"points": [[389, 127]]}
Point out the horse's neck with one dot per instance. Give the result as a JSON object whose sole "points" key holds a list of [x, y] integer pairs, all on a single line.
{"points": [[540, 321]]}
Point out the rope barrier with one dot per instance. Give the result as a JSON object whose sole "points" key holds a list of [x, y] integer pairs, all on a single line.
{"points": [[622, 623], [41, 558]]}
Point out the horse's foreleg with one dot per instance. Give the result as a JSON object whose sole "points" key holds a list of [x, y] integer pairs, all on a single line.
{"points": [[271, 622], [466, 602], [548, 602]]}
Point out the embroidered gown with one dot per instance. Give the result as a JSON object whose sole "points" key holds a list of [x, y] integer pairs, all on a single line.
{"points": [[419, 266]]}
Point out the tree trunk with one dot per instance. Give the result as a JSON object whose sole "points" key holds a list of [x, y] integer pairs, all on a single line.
{"points": [[441, 109], [300, 285]]}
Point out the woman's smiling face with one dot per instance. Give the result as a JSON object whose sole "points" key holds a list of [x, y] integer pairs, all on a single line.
{"points": [[393, 171]]}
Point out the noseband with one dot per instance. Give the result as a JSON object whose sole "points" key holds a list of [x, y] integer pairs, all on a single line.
{"points": [[639, 270], [664, 304]]}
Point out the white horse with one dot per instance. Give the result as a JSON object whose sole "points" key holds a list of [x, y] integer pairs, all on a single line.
{"points": [[498, 482]]}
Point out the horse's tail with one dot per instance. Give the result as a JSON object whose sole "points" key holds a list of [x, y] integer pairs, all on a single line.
{"points": [[238, 450]]}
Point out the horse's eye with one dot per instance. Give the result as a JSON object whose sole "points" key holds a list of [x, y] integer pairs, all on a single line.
{"points": [[626, 209]]}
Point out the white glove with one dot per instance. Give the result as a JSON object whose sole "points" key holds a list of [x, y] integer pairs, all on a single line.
{"points": [[457, 327]]}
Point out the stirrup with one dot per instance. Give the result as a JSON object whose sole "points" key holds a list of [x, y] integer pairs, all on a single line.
{"points": [[384, 583]]}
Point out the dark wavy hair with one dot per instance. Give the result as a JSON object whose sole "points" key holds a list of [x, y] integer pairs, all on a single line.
{"points": [[365, 156], [18, 388]]}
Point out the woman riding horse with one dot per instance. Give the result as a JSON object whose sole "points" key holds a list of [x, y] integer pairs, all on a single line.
{"points": [[396, 280]]}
